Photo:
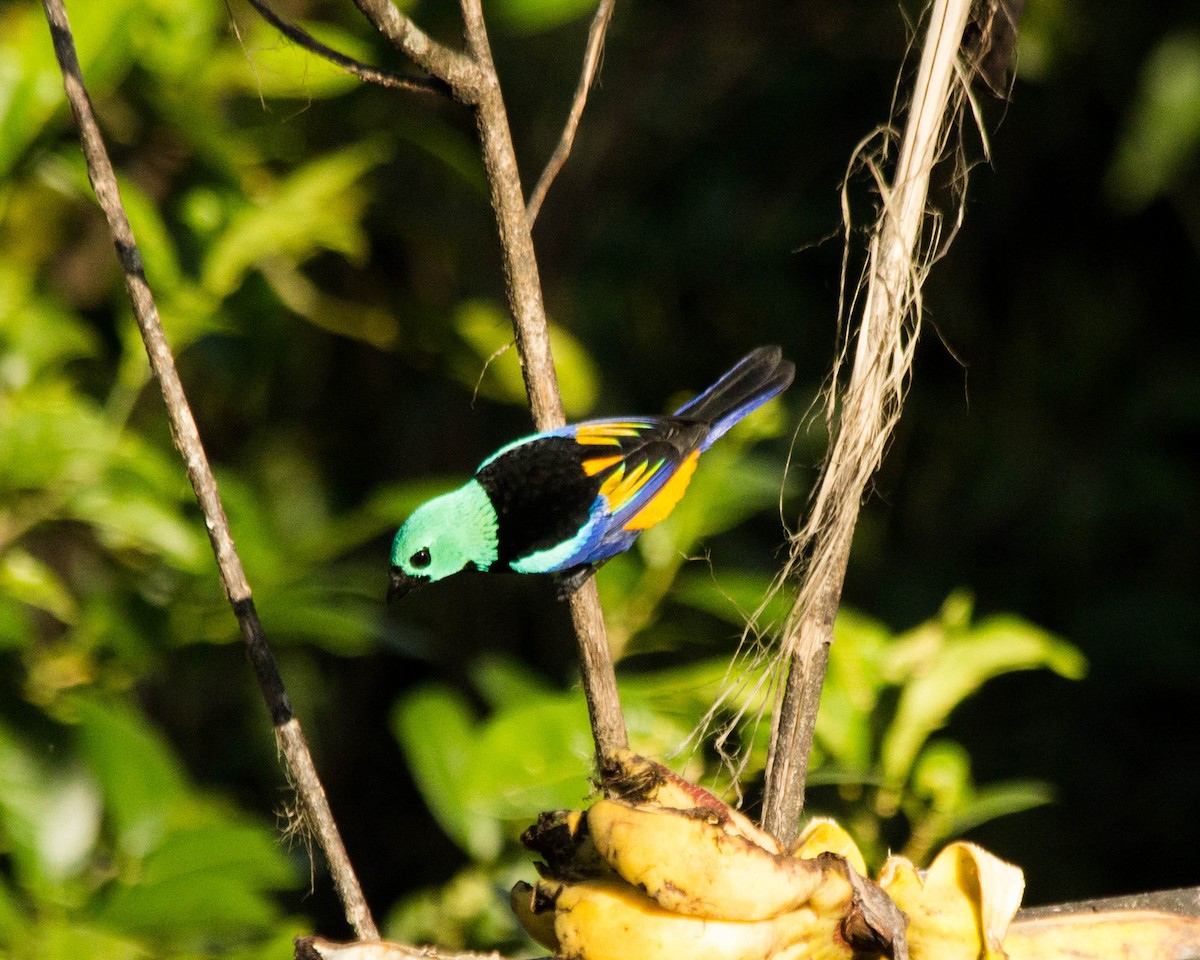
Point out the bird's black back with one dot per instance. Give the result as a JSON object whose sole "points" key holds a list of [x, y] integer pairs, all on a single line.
{"points": [[541, 494]]}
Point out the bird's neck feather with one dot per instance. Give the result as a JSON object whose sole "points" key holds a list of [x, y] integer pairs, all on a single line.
{"points": [[476, 529]]}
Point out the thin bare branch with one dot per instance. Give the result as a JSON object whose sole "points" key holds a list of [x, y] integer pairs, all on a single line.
{"points": [[591, 60], [298, 760], [318, 948], [464, 77], [363, 71], [904, 242], [537, 362]]}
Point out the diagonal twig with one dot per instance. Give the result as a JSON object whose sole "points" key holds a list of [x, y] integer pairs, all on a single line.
{"points": [[591, 61], [299, 765], [385, 78]]}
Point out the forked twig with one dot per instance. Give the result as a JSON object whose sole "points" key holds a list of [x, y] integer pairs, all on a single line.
{"points": [[299, 766], [459, 71], [472, 79], [363, 71], [591, 61]]}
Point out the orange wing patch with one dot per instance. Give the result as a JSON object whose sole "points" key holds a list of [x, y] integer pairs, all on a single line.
{"points": [[607, 432], [599, 464], [660, 507], [620, 487]]}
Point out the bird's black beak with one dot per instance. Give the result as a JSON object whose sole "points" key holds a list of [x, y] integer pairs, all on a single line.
{"points": [[400, 584]]}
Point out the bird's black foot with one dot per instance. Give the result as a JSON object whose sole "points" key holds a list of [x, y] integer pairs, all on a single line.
{"points": [[567, 582]]}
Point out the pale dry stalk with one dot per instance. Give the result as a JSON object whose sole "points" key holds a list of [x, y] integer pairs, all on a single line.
{"points": [[900, 252]]}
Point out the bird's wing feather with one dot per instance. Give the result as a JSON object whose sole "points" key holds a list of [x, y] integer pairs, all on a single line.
{"points": [[644, 467]]}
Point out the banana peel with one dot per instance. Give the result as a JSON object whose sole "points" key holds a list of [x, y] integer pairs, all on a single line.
{"points": [[661, 869], [1127, 934], [612, 920], [635, 779], [534, 914], [694, 864], [960, 907], [824, 835]]}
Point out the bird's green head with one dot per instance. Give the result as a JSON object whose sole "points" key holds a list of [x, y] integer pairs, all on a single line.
{"points": [[442, 537]]}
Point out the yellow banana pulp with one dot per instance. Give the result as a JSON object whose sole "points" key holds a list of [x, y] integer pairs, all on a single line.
{"points": [[690, 863], [607, 920]]}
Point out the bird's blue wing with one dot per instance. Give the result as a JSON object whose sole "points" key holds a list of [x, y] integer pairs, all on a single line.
{"points": [[644, 466]]}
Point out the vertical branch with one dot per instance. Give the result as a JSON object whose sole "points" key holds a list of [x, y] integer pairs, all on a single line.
{"points": [[299, 766], [537, 363], [870, 406]]}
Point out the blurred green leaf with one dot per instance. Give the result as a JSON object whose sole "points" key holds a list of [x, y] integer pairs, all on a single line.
{"points": [[1161, 134], [494, 369], [31, 88], [318, 207], [202, 881], [535, 16], [126, 518], [446, 144], [25, 578], [942, 775], [471, 911], [537, 756], [139, 777], [12, 922], [346, 318], [943, 801], [184, 908], [15, 629], [941, 664], [732, 595], [997, 800], [22, 800], [435, 729], [506, 683], [846, 724], [53, 439], [339, 617], [37, 336], [57, 939], [268, 65], [220, 845]]}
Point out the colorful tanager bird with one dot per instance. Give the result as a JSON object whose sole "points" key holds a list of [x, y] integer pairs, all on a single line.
{"points": [[564, 501]]}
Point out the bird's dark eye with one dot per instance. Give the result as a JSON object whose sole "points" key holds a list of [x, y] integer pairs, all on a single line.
{"points": [[421, 558]]}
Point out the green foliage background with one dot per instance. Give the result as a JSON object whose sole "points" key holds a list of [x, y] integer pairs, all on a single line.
{"points": [[326, 267]]}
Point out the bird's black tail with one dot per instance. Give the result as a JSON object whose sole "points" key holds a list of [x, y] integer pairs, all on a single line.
{"points": [[754, 380]]}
